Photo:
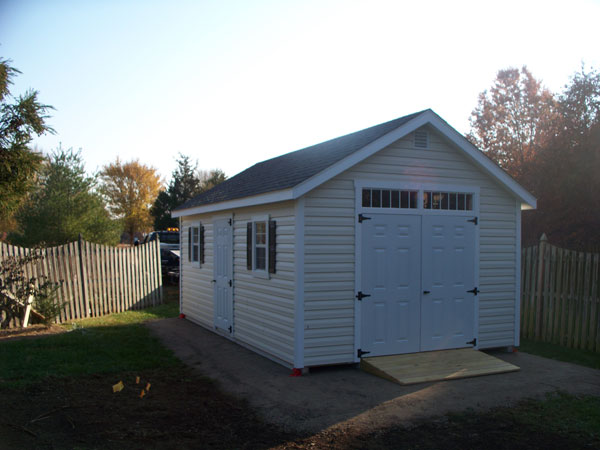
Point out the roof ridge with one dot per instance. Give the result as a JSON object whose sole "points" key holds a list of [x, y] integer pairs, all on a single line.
{"points": [[292, 168]]}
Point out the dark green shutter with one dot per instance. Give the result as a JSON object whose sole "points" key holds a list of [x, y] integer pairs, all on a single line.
{"points": [[201, 249], [189, 243], [272, 246], [249, 245]]}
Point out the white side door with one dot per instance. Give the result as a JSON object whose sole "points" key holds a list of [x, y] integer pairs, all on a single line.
{"points": [[448, 273], [391, 277], [223, 280]]}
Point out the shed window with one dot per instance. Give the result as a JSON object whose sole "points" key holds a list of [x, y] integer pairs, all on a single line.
{"points": [[389, 198], [196, 244], [450, 201], [261, 246]]}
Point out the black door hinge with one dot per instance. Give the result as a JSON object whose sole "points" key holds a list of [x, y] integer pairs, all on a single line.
{"points": [[359, 353], [229, 222], [361, 218], [473, 342], [360, 295], [230, 329], [474, 291], [230, 283], [474, 220]]}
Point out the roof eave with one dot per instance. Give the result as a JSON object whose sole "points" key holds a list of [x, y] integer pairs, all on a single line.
{"points": [[527, 200], [261, 199]]}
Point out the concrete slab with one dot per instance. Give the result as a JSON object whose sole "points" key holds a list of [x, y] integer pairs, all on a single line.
{"points": [[346, 396]]}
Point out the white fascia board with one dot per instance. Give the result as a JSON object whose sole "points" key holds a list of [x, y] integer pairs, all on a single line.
{"points": [[528, 201], [269, 197], [360, 155]]}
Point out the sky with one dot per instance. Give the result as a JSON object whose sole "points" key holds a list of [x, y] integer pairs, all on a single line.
{"points": [[231, 83]]}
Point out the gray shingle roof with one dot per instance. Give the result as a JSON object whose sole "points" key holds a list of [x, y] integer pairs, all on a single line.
{"points": [[291, 169]]}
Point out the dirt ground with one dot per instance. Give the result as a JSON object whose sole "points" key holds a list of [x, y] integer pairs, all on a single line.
{"points": [[344, 396], [30, 331], [254, 404], [184, 410]]}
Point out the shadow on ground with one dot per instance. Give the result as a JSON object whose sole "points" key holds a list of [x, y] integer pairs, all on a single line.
{"points": [[345, 396]]}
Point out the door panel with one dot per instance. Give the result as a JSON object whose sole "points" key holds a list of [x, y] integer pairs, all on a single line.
{"points": [[417, 271], [223, 298], [448, 312], [391, 276]]}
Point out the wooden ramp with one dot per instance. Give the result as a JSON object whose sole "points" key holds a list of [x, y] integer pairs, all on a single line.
{"points": [[435, 366]]}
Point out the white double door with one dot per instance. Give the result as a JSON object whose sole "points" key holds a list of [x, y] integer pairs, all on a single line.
{"points": [[417, 271]]}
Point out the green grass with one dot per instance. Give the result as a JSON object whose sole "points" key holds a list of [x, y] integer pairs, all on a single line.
{"points": [[562, 413], [536, 423], [109, 344], [582, 357]]}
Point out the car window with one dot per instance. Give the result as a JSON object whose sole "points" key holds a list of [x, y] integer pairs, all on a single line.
{"points": [[169, 238]]}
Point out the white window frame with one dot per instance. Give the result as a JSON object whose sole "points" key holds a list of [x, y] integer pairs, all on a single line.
{"points": [[195, 228], [260, 273], [361, 183]]}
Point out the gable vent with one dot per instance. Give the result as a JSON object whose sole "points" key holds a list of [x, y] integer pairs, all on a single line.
{"points": [[421, 139]]}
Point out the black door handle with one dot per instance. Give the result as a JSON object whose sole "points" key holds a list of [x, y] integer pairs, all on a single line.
{"points": [[426, 292]]}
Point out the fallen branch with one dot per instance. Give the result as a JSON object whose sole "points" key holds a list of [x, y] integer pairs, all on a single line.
{"points": [[21, 428], [48, 414]]}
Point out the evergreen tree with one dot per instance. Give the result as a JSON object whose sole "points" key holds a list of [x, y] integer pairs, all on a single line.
{"points": [[65, 205], [20, 122]]}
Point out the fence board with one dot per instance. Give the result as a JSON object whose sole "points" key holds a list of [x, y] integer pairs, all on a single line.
{"points": [[560, 296], [594, 322], [96, 279]]}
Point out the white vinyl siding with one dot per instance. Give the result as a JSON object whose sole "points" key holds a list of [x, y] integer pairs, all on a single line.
{"points": [[329, 245], [329, 273], [196, 282], [263, 308]]}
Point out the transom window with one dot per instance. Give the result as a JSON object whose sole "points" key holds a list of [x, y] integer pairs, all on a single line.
{"points": [[389, 198], [452, 201]]}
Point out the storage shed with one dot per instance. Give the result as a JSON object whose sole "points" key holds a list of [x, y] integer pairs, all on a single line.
{"points": [[399, 238]]}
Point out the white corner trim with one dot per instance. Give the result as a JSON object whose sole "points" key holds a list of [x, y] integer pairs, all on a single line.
{"points": [[299, 287], [357, 273], [269, 197], [518, 277]]}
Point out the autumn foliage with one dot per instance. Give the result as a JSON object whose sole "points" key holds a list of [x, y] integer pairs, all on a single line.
{"points": [[550, 143], [130, 190]]}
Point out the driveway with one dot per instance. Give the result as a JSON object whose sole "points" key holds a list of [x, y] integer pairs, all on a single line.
{"points": [[343, 396]]}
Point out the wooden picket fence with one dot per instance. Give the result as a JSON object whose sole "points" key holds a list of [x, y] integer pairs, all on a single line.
{"points": [[97, 279], [560, 296]]}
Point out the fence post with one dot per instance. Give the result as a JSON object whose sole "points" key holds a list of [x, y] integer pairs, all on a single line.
{"points": [[539, 313], [82, 277]]}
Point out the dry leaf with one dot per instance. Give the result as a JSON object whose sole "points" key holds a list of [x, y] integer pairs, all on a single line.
{"points": [[142, 393], [137, 380], [148, 386], [118, 387]]}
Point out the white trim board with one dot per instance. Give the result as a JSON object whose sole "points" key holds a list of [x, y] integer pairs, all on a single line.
{"points": [[299, 288], [428, 117]]}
